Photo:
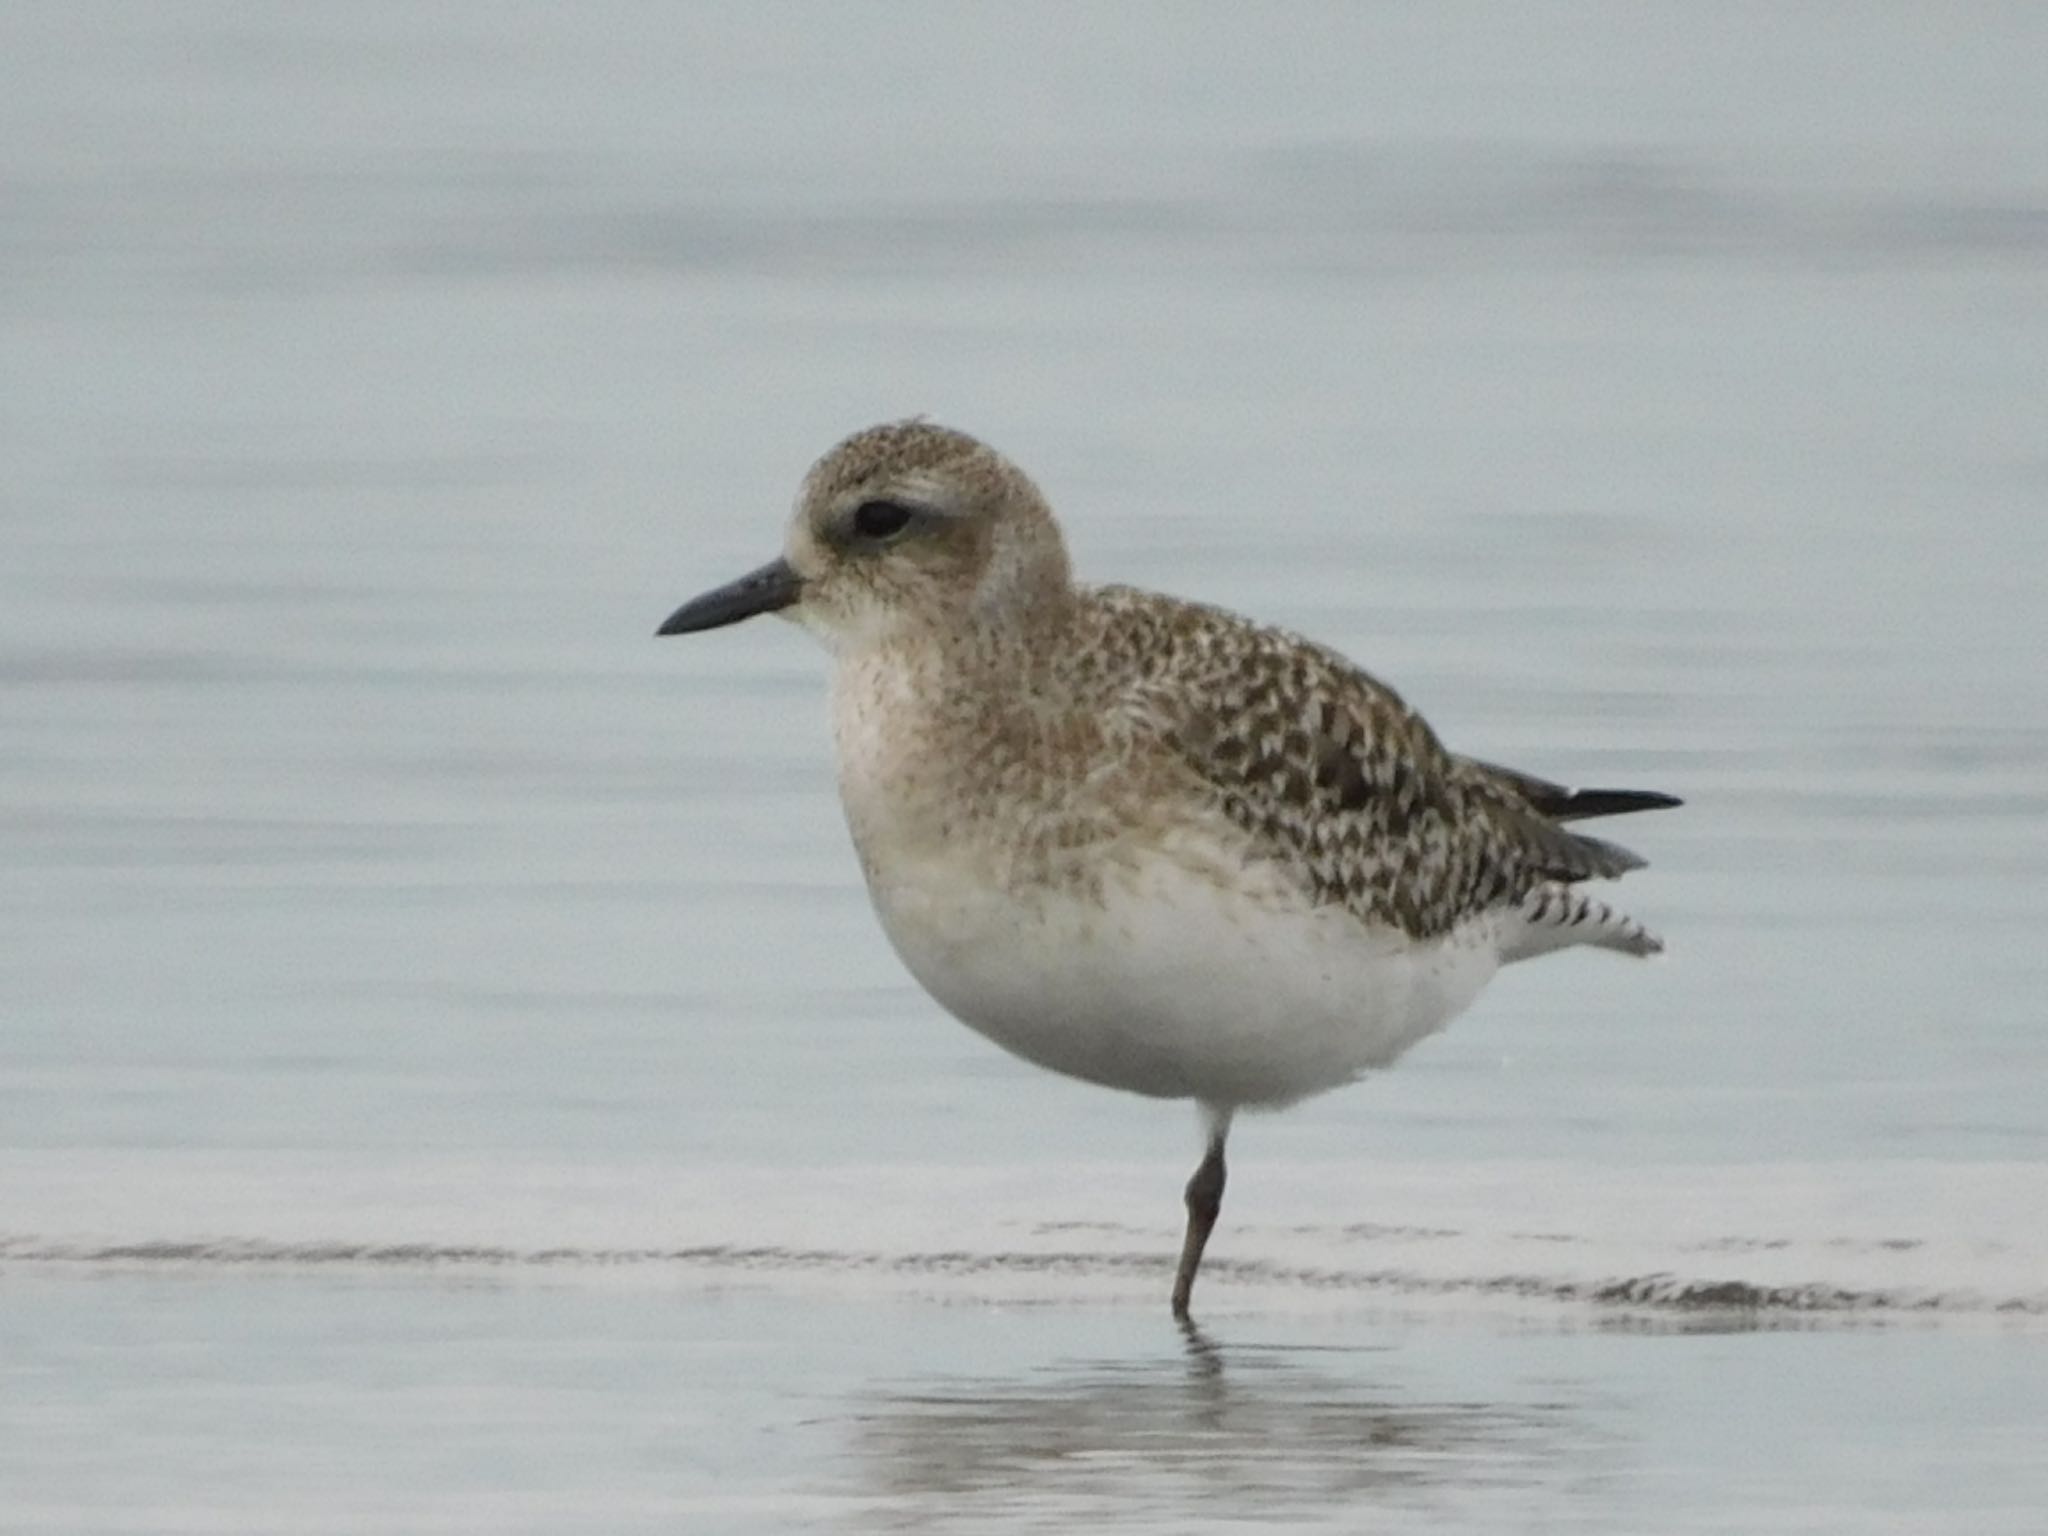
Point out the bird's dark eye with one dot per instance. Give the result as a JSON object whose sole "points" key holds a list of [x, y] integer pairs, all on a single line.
{"points": [[880, 519]]}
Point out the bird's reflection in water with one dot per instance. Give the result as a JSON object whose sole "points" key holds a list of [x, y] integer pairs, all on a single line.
{"points": [[1225, 1432]]}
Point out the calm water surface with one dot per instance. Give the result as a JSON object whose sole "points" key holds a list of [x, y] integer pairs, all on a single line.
{"points": [[449, 1076]]}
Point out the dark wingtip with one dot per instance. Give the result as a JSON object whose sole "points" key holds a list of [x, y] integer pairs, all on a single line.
{"points": [[1583, 803], [1561, 804]]}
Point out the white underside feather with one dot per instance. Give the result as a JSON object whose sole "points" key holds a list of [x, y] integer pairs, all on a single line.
{"points": [[1174, 986]]}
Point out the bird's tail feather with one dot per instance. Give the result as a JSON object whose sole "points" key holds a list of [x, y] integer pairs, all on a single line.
{"points": [[1557, 916]]}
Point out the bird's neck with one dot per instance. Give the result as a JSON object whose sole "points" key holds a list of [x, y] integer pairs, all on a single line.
{"points": [[933, 730]]}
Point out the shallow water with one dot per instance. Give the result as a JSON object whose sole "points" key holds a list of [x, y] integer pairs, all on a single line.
{"points": [[244, 1403], [430, 1003]]}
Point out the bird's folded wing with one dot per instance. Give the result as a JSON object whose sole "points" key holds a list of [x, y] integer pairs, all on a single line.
{"points": [[1330, 776]]}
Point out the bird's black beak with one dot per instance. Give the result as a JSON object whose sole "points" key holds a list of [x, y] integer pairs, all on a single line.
{"points": [[775, 585]]}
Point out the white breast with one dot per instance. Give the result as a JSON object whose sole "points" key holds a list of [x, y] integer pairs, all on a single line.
{"points": [[1163, 959], [1171, 984]]}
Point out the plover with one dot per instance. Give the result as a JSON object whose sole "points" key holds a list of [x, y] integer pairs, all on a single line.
{"points": [[1138, 840]]}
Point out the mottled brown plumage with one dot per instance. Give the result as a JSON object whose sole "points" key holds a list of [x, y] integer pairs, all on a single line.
{"points": [[1327, 770], [1140, 841]]}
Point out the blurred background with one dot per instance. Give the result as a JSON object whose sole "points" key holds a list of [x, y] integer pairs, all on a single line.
{"points": [[1653, 393]]}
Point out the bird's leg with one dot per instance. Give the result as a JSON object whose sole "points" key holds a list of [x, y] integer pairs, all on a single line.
{"points": [[1205, 1199]]}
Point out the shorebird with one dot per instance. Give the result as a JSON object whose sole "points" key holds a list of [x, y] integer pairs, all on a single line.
{"points": [[1141, 841]]}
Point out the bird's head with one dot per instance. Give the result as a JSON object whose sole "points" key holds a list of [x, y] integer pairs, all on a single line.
{"points": [[903, 528]]}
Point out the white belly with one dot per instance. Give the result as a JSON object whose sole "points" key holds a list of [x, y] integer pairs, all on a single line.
{"points": [[1172, 984]]}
